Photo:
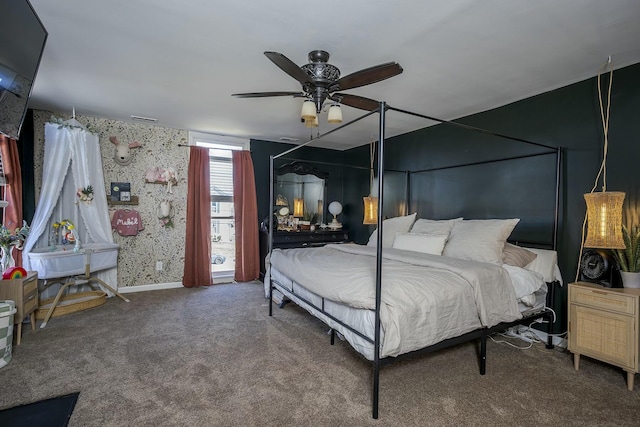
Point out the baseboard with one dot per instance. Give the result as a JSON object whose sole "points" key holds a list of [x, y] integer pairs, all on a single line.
{"points": [[223, 279], [151, 287], [170, 285]]}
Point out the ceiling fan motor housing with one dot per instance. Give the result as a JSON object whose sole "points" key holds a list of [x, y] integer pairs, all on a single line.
{"points": [[323, 75]]}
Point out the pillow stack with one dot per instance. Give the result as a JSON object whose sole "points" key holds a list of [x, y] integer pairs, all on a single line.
{"points": [[475, 240]]}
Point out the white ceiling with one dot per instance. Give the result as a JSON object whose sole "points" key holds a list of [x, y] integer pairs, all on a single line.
{"points": [[180, 62]]}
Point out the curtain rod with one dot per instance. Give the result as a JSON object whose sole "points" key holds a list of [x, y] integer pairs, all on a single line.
{"points": [[189, 145]]}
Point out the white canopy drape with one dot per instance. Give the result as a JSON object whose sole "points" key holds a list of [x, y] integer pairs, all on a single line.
{"points": [[70, 147]]}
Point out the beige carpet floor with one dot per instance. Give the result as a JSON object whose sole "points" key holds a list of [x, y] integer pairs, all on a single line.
{"points": [[213, 357]]}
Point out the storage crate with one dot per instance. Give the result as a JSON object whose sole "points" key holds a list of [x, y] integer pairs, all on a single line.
{"points": [[7, 310]]}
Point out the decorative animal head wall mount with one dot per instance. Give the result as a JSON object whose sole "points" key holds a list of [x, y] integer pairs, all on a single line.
{"points": [[162, 175], [165, 213], [122, 154]]}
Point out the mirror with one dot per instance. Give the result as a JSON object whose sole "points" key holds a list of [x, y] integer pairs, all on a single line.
{"points": [[301, 189]]}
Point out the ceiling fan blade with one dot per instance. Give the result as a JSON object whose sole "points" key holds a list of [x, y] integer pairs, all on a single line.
{"points": [[289, 67], [367, 76], [266, 94], [355, 101]]}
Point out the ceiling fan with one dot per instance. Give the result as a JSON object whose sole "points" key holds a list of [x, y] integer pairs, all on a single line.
{"points": [[321, 81]]}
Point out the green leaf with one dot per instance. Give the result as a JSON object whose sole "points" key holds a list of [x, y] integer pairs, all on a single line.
{"points": [[629, 258]]}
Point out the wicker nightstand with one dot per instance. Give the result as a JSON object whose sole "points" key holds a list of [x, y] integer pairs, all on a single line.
{"points": [[603, 324], [24, 291]]}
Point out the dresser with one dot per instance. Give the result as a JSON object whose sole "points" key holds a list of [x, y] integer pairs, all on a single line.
{"points": [[298, 239], [604, 325], [24, 291]]}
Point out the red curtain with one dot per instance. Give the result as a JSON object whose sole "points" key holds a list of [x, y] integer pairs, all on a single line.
{"points": [[245, 208], [197, 253], [13, 189]]}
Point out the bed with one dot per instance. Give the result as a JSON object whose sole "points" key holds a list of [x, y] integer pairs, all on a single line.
{"points": [[425, 298], [419, 284]]}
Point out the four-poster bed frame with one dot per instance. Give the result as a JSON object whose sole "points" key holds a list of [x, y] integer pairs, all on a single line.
{"points": [[482, 333]]}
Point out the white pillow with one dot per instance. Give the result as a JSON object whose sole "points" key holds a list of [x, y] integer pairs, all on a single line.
{"points": [[425, 243], [479, 240], [434, 226], [391, 227], [545, 264]]}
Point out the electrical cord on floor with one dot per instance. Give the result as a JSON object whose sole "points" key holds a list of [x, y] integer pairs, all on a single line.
{"points": [[528, 334], [531, 331], [510, 344]]}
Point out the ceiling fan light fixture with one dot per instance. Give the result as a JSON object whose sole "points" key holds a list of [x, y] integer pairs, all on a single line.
{"points": [[308, 110], [311, 123], [335, 114]]}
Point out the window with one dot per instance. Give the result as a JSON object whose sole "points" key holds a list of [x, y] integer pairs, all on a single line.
{"points": [[221, 183]]}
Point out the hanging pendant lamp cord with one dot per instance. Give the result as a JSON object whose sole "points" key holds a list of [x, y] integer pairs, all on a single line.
{"points": [[605, 126], [372, 151], [602, 172]]}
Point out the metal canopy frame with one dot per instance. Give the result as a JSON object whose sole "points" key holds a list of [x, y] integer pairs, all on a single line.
{"points": [[477, 334]]}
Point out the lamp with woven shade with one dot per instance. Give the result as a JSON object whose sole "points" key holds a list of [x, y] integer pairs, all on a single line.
{"points": [[604, 209], [604, 220], [370, 202], [298, 207], [370, 210]]}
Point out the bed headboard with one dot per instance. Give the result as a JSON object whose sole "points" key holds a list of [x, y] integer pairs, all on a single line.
{"points": [[524, 187]]}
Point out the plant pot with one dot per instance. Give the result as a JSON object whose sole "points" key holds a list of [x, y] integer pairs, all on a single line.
{"points": [[304, 225], [630, 280]]}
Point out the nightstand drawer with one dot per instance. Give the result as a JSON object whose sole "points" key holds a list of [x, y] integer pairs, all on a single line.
{"points": [[603, 299], [30, 287], [31, 304]]}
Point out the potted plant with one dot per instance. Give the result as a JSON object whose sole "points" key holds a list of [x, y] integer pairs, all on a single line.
{"points": [[305, 222], [629, 259]]}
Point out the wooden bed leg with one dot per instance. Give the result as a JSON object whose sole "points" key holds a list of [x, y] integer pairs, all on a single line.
{"points": [[333, 336], [483, 354]]}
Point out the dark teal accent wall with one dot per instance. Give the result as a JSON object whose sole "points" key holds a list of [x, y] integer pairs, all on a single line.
{"points": [[568, 117]]}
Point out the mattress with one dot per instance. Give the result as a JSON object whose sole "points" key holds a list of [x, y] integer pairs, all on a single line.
{"points": [[355, 323]]}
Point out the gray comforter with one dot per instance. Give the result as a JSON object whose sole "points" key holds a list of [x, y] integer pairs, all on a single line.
{"points": [[425, 298]]}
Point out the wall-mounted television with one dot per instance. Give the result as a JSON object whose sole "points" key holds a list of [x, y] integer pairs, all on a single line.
{"points": [[22, 40]]}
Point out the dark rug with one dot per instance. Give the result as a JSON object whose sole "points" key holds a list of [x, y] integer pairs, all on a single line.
{"points": [[54, 412]]}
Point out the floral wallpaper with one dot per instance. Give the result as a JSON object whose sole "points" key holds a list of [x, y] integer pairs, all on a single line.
{"points": [[160, 240]]}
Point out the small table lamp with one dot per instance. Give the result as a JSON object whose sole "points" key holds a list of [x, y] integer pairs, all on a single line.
{"points": [[335, 209]]}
